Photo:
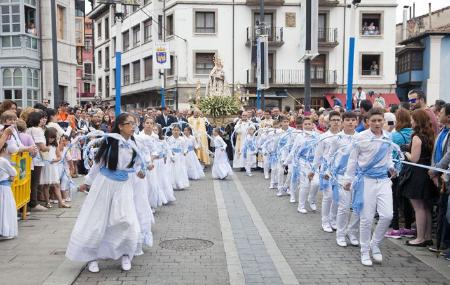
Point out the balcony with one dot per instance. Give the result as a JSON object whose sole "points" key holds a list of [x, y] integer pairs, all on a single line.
{"points": [[86, 94], [319, 77], [266, 2], [275, 36], [328, 3], [327, 37]]}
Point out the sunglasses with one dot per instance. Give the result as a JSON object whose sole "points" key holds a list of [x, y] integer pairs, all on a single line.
{"points": [[413, 100]]}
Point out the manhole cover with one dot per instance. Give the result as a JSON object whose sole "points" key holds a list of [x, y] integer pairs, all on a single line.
{"points": [[186, 244]]}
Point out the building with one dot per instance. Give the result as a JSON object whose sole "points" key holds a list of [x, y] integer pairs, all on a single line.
{"points": [[423, 55], [196, 32], [26, 54], [85, 62]]}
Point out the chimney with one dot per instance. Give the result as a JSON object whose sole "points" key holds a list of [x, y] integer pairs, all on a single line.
{"points": [[405, 19], [414, 9], [410, 13], [429, 15]]}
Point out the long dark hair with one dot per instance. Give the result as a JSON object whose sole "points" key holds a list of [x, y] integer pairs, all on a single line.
{"points": [[51, 133], [423, 128], [109, 148]]}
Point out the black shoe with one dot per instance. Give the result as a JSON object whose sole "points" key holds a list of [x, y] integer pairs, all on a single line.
{"points": [[422, 244], [243, 169], [429, 242]]}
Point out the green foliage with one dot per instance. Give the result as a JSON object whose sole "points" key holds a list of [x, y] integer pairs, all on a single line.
{"points": [[217, 106]]}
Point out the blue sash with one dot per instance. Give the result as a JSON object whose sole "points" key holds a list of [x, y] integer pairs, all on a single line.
{"points": [[323, 183], [176, 150], [190, 148], [5, 183], [370, 171], [338, 170], [116, 175], [249, 146]]}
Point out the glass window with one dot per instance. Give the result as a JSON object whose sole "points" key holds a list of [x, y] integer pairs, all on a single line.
{"points": [[36, 79], [29, 77], [16, 42], [205, 22], [148, 30], [87, 44], [7, 77], [100, 85], [171, 71], [14, 94], [126, 40], [370, 64], [17, 75], [99, 30], [87, 87], [136, 71], [148, 68], [106, 57], [371, 24], [61, 22], [106, 86], [99, 58], [169, 25], [136, 35], [126, 74], [204, 62], [106, 28], [6, 42]]}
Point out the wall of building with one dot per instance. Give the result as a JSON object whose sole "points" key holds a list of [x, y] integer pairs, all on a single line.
{"points": [[444, 93]]}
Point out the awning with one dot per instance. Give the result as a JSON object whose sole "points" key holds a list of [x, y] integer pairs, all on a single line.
{"points": [[389, 98]]}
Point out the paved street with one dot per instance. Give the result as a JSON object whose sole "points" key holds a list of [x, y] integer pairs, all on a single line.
{"points": [[217, 232]]}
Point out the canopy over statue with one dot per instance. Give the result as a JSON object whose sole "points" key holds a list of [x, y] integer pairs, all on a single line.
{"points": [[216, 82]]}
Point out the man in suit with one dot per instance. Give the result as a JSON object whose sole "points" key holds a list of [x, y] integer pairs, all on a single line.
{"points": [[165, 120]]}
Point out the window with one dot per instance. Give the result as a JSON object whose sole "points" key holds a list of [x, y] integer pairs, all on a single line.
{"points": [[370, 64], [17, 77], [10, 19], [148, 68], [107, 58], [114, 78], [136, 71], [100, 86], [35, 79], [371, 24], [79, 31], [99, 30], [87, 87], [126, 74], [126, 40], [15, 95], [136, 35], [99, 59], [30, 20], [79, 55], [204, 62], [32, 97], [148, 30], [87, 70], [87, 44], [61, 23], [29, 78], [205, 22], [409, 61], [169, 25], [114, 46], [12, 41], [7, 77], [32, 87], [106, 28], [106, 86], [160, 27], [171, 71], [322, 27]]}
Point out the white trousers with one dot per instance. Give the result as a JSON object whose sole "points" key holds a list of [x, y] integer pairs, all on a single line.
{"points": [[266, 166], [377, 198], [343, 225], [329, 208], [284, 182], [307, 189], [274, 175]]}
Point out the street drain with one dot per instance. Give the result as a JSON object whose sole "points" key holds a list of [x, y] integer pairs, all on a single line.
{"points": [[58, 252], [186, 244]]}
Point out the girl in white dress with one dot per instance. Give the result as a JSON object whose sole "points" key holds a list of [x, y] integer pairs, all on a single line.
{"points": [[50, 174], [107, 226], [149, 140], [194, 168], [178, 168], [162, 167], [66, 182], [8, 211], [221, 166]]}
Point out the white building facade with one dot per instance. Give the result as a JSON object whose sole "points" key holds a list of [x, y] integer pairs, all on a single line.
{"points": [[196, 32]]}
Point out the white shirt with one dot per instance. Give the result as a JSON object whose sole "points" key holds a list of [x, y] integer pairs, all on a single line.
{"points": [[38, 136], [363, 153]]}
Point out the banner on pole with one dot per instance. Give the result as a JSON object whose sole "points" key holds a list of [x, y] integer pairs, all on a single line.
{"points": [[161, 56], [262, 63], [313, 9], [123, 2]]}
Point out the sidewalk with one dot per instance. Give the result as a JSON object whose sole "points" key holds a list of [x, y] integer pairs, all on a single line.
{"points": [[36, 256]]}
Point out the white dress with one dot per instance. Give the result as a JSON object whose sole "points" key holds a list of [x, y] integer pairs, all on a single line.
{"points": [[240, 132], [221, 166], [194, 168], [178, 170], [50, 173], [162, 171], [156, 196], [8, 211], [107, 225], [64, 174]]}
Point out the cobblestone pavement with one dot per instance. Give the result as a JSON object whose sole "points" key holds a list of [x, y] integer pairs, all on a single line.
{"points": [[234, 231]]}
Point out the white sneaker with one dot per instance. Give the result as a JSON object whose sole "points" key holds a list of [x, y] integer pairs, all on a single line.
{"points": [[313, 206], [126, 263], [39, 208], [376, 254], [353, 240], [249, 174], [292, 200], [93, 267], [365, 259], [341, 242], [272, 186], [266, 177], [68, 199], [302, 210], [54, 201], [327, 228], [280, 193], [333, 226]]}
